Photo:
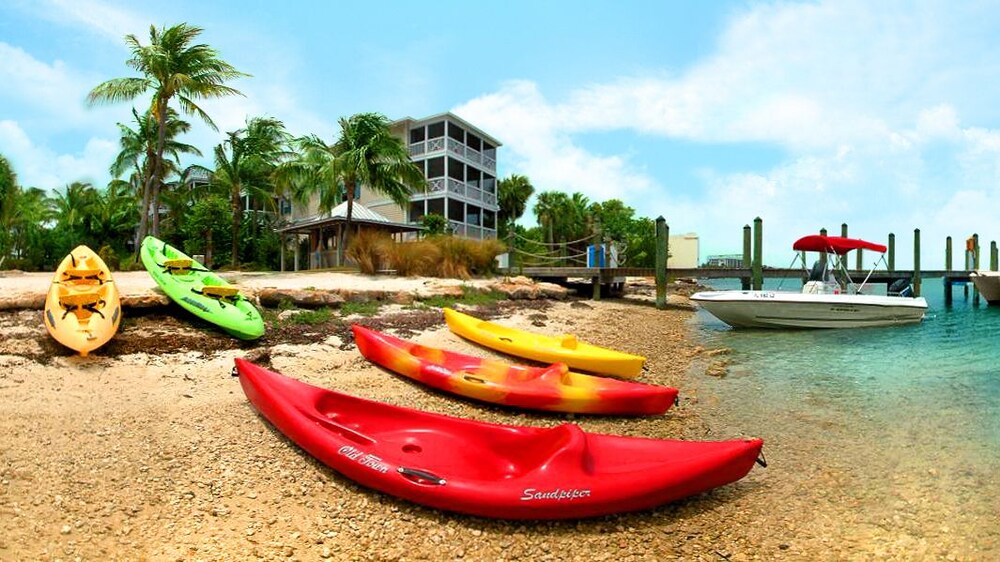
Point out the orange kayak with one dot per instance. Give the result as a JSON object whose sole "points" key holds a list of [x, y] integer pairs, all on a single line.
{"points": [[553, 388]]}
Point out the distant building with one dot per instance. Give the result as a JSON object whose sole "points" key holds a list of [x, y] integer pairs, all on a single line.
{"points": [[683, 251], [727, 261]]}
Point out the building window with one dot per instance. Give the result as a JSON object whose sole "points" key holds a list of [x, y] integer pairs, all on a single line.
{"points": [[416, 135], [456, 132], [284, 206], [435, 130], [472, 214], [489, 183], [456, 170], [456, 210], [489, 219], [435, 206], [473, 176], [435, 167], [416, 210], [474, 142]]}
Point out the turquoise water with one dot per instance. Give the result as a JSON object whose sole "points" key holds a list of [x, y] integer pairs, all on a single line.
{"points": [[907, 418]]}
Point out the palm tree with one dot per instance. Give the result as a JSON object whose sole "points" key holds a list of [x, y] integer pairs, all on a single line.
{"points": [[549, 209], [112, 217], [512, 195], [247, 166], [367, 154], [138, 153], [74, 206], [172, 67], [24, 222]]}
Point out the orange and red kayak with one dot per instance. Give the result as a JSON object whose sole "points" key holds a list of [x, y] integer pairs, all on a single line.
{"points": [[553, 388]]}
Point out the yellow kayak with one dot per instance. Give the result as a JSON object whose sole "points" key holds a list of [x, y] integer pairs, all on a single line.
{"points": [[547, 349], [83, 309]]}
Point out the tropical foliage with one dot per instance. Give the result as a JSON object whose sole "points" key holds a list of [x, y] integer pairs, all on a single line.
{"points": [[172, 66], [228, 212]]}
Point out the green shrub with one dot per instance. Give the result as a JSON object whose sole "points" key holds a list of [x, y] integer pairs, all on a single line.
{"points": [[365, 308], [311, 317]]}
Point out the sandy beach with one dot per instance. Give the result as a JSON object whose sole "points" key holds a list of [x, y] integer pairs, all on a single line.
{"points": [[148, 450]]}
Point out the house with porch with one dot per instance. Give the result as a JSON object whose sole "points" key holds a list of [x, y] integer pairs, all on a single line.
{"points": [[459, 161]]}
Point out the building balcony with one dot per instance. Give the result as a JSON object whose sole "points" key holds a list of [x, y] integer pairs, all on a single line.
{"points": [[485, 160], [453, 187]]}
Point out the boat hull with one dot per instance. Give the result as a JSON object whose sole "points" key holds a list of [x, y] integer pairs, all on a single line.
{"points": [[546, 349], [776, 309], [553, 388], [988, 285], [485, 469], [82, 307], [237, 316]]}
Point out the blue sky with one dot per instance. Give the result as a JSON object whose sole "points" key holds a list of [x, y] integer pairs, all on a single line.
{"points": [[883, 115]]}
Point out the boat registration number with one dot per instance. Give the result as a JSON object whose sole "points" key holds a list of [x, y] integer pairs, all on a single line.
{"points": [[764, 295]]}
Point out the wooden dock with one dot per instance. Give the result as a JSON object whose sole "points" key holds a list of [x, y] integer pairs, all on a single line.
{"points": [[610, 276]]}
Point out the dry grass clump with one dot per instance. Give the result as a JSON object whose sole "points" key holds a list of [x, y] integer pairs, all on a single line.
{"points": [[461, 258], [417, 257], [434, 256], [371, 250]]}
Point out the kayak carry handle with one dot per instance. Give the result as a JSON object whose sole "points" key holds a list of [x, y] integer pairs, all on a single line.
{"points": [[418, 476], [761, 460]]}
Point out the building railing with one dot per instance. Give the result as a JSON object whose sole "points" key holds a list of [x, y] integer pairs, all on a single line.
{"points": [[486, 159], [456, 187]]}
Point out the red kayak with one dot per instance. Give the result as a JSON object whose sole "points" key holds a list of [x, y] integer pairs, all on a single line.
{"points": [[491, 470], [552, 388]]}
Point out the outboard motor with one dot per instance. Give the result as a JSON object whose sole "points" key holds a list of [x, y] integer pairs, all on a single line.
{"points": [[900, 288]]}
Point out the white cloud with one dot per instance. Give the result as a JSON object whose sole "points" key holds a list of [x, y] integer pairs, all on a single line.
{"points": [[38, 166], [101, 18], [864, 98]]}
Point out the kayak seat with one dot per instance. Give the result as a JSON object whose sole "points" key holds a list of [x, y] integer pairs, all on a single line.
{"points": [[181, 266], [83, 276], [568, 341], [87, 302], [555, 449], [217, 292]]}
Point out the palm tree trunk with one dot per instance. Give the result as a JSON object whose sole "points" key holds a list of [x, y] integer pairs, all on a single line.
{"points": [[155, 181], [236, 224], [342, 245]]}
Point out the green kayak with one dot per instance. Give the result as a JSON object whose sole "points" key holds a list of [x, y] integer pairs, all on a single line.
{"points": [[200, 291]]}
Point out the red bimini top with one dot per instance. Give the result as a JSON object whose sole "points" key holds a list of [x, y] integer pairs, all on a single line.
{"points": [[834, 244]]}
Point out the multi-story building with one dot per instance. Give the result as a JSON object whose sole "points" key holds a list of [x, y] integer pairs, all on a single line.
{"points": [[458, 160], [460, 163]]}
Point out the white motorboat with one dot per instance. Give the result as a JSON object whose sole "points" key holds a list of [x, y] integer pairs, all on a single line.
{"points": [[988, 285], [829, 299]]}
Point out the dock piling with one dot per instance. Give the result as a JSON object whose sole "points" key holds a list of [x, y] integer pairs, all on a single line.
{"points": [[891, 266], [758, 254], [745, 281], [661, 262]]}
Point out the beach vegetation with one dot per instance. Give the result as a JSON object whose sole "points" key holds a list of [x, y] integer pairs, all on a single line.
{"points": [[361, 308], [312, 317], [371, 250], [513, 193], [244, 165], [435, 224], [470, 297]]}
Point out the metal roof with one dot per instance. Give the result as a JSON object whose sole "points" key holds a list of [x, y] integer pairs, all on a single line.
{"points": [[359, 215]]}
